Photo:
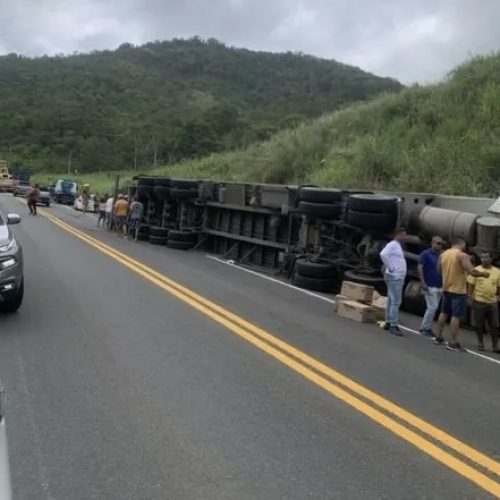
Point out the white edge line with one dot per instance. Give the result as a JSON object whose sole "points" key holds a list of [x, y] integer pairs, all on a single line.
{"points": [[326, 299], [483, 356], [288, 285]]}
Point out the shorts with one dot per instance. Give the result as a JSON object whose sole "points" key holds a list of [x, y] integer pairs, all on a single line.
{"points": [[485, 313], [121, 220], [454, 304], [134, 223]]}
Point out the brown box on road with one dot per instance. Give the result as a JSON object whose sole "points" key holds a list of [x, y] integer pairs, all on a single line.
{"points": [[356, 311], [355, 291]]}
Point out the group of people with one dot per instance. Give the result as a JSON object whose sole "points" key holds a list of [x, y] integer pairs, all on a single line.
{"points": [[120, 215], [447, 277]]}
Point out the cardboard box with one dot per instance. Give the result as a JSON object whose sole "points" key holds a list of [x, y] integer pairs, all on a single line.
{"points": [[355, 291], [338, 299], [363, 313]]}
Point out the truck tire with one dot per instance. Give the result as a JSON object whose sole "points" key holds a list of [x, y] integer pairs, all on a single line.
{"points": [[413, 298], [320, 195], [317, 284], [315, 269], [372, 203], [384, 222], [320, 210], [144, 191], [184, 184], [145, 182], [158, 240], [161, 192], [161, 181], [12, 304], [162, 232], [183, 194], [177, 235], [180, 245], [376, 280]]}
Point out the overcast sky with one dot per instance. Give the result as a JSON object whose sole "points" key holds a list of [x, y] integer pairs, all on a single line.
{"points": [[412, 40]]}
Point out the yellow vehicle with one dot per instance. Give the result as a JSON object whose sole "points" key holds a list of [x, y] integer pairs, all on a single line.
{"points": [[6, 180]]}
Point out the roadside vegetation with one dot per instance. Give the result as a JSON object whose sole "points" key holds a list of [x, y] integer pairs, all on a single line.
{"points": [[137, 107], [440, 138]]}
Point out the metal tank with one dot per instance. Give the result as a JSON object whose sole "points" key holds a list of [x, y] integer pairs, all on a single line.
{"points": [[430, 221], [487, 233]]}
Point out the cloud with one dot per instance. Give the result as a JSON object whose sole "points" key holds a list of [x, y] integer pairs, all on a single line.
{"points": [[409, 40]]}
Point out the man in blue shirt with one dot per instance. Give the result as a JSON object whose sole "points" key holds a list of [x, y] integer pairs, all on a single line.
{"points": [[431, 282]]}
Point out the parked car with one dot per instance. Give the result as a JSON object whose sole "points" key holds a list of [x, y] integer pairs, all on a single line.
{"points": [[11, 266], [5, 484], [44, 198], [92, 206], [21, 188]]}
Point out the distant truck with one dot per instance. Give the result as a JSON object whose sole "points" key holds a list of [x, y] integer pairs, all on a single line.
{"points": [[21, 184], [6, 180], [64, 192]]}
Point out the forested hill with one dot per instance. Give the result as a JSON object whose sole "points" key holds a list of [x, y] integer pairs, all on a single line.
{"points": [[162, 102]]}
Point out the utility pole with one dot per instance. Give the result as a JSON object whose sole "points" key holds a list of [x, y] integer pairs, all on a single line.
{"points": [[69, 162]]}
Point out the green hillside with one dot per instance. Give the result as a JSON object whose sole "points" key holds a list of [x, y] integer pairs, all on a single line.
{"points": [[162, 102], [440, 138]]}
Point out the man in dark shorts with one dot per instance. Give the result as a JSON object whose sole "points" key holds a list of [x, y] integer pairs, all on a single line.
{"points": [[454, 264], [483, 294], [121, 213]]}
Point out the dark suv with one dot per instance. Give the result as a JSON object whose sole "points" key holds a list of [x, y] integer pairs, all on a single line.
{"points": [[11, 266]]}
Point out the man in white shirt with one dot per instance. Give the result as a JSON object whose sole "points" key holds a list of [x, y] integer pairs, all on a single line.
{"points": [[394, 262], [109, 211]]}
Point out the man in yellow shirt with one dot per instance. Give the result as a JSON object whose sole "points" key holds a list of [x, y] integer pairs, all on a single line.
{"points": [[121, 213], [454, 265], [483, 294]]}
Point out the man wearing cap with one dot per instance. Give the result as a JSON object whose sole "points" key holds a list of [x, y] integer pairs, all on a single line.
{"points": [[121, 213]]}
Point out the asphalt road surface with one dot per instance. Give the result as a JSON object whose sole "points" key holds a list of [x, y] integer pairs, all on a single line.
{"points": [[123, 385]]}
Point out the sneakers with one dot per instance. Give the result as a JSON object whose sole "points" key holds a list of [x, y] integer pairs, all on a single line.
{"points": [[394, 330], [455, 347], [438, 340], [427, 333]]}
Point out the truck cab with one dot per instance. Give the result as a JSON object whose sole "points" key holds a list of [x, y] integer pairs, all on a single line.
{"points": [[65, 192], [6, 181]]}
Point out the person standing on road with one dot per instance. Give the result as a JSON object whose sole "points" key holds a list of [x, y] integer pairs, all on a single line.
{"points": [[394, 262], [432, 283], [109, 212], [101, 214], [32, 200], [483, 295], [454, 264], [135, 216], [121, 212]]}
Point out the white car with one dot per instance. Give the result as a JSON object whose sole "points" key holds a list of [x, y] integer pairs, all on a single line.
{"points": [[92, 206], [5, 486]]}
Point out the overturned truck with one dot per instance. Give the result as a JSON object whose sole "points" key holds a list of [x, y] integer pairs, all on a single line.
{"points": [[314, 236]]}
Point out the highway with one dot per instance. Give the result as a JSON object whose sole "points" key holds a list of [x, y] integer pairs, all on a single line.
{"points": [[140, 372]]}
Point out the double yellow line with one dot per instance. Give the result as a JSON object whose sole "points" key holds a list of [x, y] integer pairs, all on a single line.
{"points": [[443, 447]]}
